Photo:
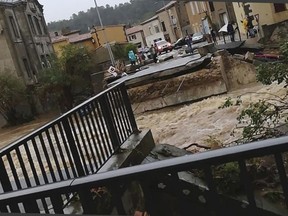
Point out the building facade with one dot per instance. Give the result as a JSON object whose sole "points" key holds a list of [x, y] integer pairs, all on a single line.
{"points": [[152, 30], [204, 14], [174, 20], [112, 34], [24, 39], [136, 36], [262, 14], [73, 37]]}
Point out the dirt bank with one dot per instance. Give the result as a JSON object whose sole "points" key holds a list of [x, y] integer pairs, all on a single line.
{"points": [[166, 87]]}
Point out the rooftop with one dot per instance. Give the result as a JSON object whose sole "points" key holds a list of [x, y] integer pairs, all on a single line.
{"points": [[170, 4], [149, 20], [134, 29]]}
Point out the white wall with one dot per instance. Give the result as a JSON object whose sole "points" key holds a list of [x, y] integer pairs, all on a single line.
{"points": [[150, 39]]}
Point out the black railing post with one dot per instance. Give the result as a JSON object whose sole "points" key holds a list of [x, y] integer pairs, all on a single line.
{"points": [[246, 180], [86, 199], [110, 122], [117, 198], [282, 175], [4, 178], [7, 187], [129, 108], [73, 147]]}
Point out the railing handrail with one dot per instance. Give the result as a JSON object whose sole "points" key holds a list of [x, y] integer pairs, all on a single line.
{"points": [[24, 138], [219, 156], [78, 143]]}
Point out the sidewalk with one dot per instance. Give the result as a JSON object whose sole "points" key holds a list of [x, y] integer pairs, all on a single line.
{"points": [[243, 38]]}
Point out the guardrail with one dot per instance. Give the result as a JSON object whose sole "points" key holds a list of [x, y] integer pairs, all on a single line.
{"points": [[162, 176], [76, 144]]}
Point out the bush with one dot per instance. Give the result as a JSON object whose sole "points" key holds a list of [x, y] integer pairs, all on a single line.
{"points": [[12, 93]]}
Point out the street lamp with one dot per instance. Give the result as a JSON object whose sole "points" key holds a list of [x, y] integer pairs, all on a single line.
{"points": [[105, 36]]}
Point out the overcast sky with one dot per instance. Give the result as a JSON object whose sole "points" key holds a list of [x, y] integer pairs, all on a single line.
{"points": [[63, 9]]}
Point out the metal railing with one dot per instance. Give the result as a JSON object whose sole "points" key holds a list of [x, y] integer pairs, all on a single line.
{"points": [[76, 144], [164, 176]]}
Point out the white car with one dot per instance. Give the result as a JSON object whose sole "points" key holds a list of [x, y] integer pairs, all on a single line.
{"points": [[198, 37]]}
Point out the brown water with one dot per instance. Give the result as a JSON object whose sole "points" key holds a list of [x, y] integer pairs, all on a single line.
{"points": [[202, 122]]}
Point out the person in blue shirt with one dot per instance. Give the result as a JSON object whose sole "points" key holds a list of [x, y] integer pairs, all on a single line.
{"points": [[132, 57]]}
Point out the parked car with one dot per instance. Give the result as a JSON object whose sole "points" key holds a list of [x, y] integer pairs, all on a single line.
{"points": [[163, 46], [179, 43], [198, 37]]}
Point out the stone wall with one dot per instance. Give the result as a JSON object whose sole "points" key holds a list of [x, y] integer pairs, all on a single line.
{"points": [[236, 73]]}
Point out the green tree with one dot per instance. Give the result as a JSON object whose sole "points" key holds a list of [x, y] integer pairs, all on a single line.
{"points": [[129, 47], [120, 51], [68, 78], [12, 93], [132, 12]]}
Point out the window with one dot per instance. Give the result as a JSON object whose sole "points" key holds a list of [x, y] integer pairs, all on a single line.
{"points": [[133, 37], [211, 5], [150, 30], [163, 26], [44, 25], [39, 29], [156, 29], [27, 68], [48, 61], [14, 27], [42, 48], [279, 7], [192, 8], [203, 6], [31, 24], [43, 61], [197, 8]]}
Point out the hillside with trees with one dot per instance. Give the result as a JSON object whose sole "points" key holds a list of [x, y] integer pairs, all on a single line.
{"points": [[130, 13]]}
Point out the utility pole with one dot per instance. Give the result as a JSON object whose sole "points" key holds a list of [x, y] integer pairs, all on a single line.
{"points": [[105, 36]]}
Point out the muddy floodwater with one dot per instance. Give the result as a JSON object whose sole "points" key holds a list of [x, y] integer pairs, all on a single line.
{"points": [[203, 122], [200, 122]]}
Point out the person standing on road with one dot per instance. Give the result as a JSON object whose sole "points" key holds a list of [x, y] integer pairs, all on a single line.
{"points": [[188, 41], [231, 32], [213, 35], [132, 57], [153, 53], [250, 27]]}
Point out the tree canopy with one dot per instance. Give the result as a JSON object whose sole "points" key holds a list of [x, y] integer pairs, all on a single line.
{"points": [[12, 92], [130, 13], [68, 77]]}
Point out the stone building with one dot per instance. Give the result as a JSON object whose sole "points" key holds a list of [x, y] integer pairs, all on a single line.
{"points": [[174, 20], [24, 39]]}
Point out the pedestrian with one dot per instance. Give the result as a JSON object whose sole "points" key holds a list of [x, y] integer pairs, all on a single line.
{"points": [[231, 31], [213, 35], [153, 53], [156, 48], [132, 57], [250, 27], [188, 41]]}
